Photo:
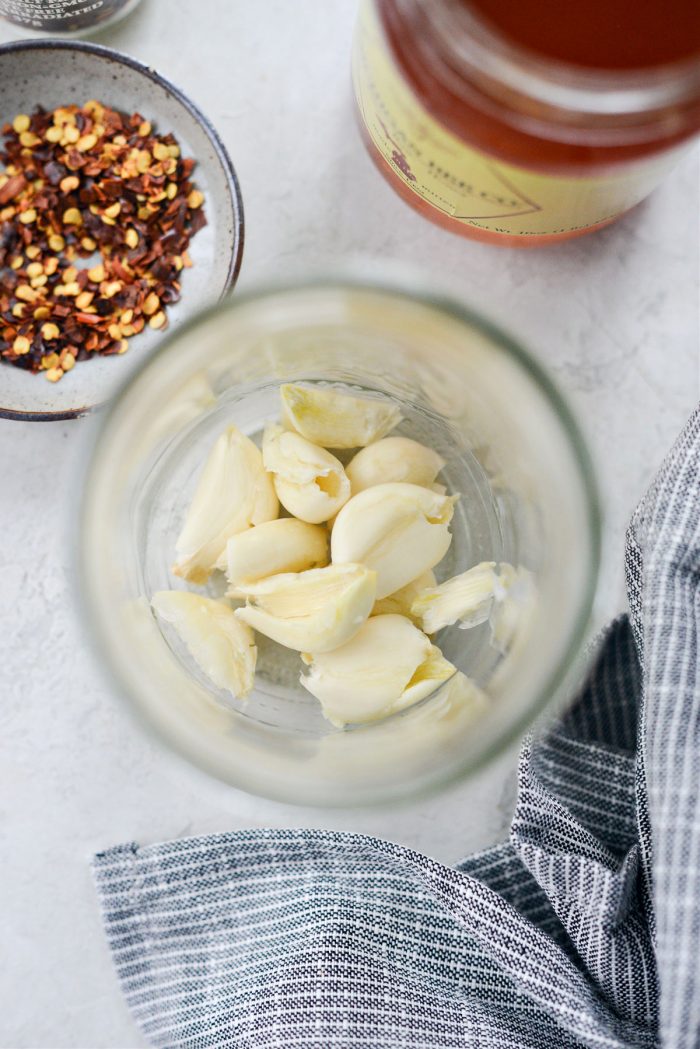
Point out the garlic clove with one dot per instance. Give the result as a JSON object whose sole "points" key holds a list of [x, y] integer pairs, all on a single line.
{"points": [[466, 598], [310, 482], [393, 459], [400, 602], [501, 594], [233, 493], [388, 665], [337, 420], [399, 530], [432, 672], [462, 699], [221, 645], [313, 611], [285, 545]]}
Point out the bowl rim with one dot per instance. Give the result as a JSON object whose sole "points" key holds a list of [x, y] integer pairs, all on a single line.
{"points": [[410, 284], [233, 185]]}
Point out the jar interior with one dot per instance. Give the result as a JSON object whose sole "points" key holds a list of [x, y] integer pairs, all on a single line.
{"points": [[510, 450]]}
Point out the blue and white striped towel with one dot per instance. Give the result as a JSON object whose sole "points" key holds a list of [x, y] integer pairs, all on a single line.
{"points": [[582, 930]]}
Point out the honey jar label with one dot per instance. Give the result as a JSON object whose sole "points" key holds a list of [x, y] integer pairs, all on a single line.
{"points": [[471, 187]]}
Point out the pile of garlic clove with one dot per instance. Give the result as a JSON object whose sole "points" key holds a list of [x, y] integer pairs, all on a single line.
{"points": [[347, 579]]}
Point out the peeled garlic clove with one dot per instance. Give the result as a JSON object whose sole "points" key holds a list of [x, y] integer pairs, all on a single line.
{"points": [[286, 545], [400, 602], [336, 420], [387, 666], [456, 705], [399, 530], [393, 459], [432, 672], [467, 597], [314, 611], [221, 645], [464, 692], [310, 482], [233, 493]]}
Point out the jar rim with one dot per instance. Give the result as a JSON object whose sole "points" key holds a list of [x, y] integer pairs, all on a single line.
{"points": [[552, 97]]}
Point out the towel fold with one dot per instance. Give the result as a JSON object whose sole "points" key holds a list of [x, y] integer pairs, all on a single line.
{"points": [[582, 930]]}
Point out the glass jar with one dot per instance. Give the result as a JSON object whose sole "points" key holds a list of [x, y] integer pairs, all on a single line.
{"points": [[512, 449], [502, 143], [65, 18]]}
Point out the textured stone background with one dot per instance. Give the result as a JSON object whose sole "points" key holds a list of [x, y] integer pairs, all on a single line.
{"points": [[615, 317]]}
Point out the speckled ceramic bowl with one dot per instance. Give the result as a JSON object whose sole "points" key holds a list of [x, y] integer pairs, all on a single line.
{"points": [[53, 73]]}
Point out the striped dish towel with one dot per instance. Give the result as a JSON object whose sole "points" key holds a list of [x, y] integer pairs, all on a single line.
{"points": [[582, 930]]}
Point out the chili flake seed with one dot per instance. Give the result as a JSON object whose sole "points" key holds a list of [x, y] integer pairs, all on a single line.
{"points": [[72, 217], [69, 183], [79, 183], [151, 304], [86, 143], [97, 274]]}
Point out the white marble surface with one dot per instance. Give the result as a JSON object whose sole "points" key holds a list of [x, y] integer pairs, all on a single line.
{"points": [[615, 316]]}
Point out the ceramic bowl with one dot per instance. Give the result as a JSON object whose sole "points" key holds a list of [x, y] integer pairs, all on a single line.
{"points": [[52, 73]]}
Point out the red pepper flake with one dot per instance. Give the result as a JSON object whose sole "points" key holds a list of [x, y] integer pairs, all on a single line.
{"points": [[83, 182]]}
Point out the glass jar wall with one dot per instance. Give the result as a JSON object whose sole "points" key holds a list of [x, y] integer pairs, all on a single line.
{"points": [[512, 451]]}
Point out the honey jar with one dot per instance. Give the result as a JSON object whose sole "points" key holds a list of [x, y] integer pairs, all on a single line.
{"points": [[526, 123]]}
